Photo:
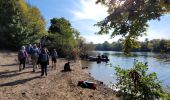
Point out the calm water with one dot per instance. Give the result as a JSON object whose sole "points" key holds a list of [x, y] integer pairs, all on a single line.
{"points": [[103, 72]]}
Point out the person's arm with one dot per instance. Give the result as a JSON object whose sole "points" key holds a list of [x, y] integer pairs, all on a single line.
{"points": [[56, 55], [26, 55]]}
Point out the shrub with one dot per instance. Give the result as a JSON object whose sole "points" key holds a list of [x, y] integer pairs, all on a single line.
{"points": [[137, 84]]}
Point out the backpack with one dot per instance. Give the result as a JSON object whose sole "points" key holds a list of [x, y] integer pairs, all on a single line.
{"points": [[54, 55], [34, 54], [87, 84], [44, 57], [21, 54]]}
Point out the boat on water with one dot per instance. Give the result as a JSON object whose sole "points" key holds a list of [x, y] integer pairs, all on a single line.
{"points": [[98, 59]]}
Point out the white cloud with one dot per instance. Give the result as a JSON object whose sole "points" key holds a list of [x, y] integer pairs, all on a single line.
{"points": [[155, 35], [87, 13], [90, 11], [100, 38]]}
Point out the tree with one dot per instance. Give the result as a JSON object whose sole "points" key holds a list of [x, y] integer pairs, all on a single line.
{"points": [[106, 46], [61, 26], [63, 37], [144, 46], [129, 18], [99, 47], [20, 24], [35, 24], [10, 23], [116, 46]]}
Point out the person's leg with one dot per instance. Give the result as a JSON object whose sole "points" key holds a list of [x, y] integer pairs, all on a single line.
{"points": [[24, 61], [20, 65], [55, 63], [37, 66], [45, 69], [33, 63], [52, 64], [36, 63], [42, 69]]}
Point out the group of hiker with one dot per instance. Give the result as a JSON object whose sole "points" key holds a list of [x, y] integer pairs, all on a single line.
{"points": [[36, 55]]}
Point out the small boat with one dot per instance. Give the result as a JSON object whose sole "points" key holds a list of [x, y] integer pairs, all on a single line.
{"points": [[91, 58]]}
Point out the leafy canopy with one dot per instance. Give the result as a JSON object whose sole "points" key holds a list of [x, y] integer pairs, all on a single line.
{"points": [[20, 24], [63, 36], [129, 18]]}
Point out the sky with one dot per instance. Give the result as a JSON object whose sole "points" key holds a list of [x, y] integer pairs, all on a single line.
{"points": [[83, 14]]}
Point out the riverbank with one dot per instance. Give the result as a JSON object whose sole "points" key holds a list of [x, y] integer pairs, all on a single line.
{"points": [[58, 85]]}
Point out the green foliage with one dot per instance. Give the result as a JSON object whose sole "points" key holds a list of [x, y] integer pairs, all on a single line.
{"points": [[64, 38], [61, 26], [155, 45], [85, 47], [129, 18], [137, 84], [19, 24]]}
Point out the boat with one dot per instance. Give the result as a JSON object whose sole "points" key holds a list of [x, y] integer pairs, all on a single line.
{"points": [[91, 58]]}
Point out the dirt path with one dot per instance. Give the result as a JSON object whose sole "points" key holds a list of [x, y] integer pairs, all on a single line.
{"points": [[26, 85]]}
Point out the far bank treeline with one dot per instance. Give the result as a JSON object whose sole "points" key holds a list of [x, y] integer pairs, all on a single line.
{"points": [[22, 24], [155, 45]]}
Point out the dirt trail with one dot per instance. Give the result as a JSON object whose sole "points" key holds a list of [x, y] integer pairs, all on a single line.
{"points": [[28, 85]]}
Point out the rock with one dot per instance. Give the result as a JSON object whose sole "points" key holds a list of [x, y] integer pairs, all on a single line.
{"points": [[37, 94], [101, 82], [90, 96], [23, 93]]}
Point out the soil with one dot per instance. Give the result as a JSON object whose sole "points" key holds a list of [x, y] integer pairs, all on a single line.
{"points": [[57, 85]]}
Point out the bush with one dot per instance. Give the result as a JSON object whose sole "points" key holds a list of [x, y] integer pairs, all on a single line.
{"points": [[137, 84]]}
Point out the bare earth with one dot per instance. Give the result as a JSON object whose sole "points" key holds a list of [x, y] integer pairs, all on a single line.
{"points": [[26, 85]]}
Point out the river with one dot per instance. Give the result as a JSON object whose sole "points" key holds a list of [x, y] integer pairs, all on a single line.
{"points": [[105, 73]]}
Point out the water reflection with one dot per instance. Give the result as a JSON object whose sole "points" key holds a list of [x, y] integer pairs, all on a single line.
{"points": [[103, 71]]}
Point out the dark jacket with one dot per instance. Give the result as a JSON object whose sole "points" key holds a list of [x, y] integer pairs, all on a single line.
{"points": [[40, 59]]}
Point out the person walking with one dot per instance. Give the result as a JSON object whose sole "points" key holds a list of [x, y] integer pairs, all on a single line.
{"points": [[44, 61], [29, 48], [22, 57], [54, 57], [34, 56]]}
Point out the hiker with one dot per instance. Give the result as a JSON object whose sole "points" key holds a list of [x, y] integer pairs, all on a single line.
{"points": [[34, 56], [44, 61], [22, 57], [39, 45], [67, 66], [29, 49], [54, 56]]}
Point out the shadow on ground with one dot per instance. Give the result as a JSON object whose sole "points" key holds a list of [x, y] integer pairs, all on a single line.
{"points": [[19, 81], [14, 64], [11, 74], [8, 72]]}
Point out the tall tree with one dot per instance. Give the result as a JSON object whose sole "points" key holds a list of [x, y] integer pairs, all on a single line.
{"points": [[63, 36], [20, 24], [129, 18], [10, 23], [106, 46]]}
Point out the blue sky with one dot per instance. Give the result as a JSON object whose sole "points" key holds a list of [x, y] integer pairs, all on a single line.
{"points": [[83, 14]]}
